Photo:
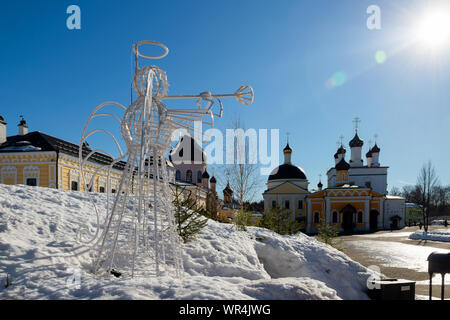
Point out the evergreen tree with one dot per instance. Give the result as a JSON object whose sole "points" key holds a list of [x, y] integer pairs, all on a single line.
{"points": [[327, 233], [280, 221], [188, 214], [242, 219]]}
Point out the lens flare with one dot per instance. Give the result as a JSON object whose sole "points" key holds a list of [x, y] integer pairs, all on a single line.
{"points": [[434, 29], [380, 57], [336, 80]]}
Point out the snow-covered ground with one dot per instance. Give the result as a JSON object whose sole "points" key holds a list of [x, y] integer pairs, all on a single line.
{"points": [[396, 254], [37, 237], [437, 235], [384, 235], [438, 222]]}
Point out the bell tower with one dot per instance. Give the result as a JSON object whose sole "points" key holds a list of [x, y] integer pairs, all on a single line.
{"points": [[356, 147], [2, 130]]}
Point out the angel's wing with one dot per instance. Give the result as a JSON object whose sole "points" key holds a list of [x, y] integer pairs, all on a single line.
{"points": [[86, 154]]}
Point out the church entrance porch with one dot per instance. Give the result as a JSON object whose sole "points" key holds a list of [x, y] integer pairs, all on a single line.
{"points": [[348, 217], [373, 220], [395, 220]]}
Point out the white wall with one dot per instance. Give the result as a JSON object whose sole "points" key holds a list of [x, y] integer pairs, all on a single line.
{"points": [[359, 176], [394, 207], [2, 133]]}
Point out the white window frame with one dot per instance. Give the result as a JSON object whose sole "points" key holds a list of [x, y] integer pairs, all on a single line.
{"points": [[74, 176], [8, 172], [31, 172]]}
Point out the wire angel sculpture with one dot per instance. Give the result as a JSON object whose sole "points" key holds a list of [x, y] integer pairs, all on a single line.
{"points": [[139, 219]]}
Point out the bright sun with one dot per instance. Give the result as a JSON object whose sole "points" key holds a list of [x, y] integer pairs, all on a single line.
{"points": [[434, 29]]}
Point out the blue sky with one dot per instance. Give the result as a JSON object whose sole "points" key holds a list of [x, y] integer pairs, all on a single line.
{"points": [[286, 50]]}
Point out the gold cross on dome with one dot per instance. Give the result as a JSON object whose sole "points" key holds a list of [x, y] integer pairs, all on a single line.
{"points": [[341, 139], [375, 136], [340, 142], [287, 136], [356, 121]]}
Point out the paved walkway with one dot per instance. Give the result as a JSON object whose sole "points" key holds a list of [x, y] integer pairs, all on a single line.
{"points": [[397, 256]]}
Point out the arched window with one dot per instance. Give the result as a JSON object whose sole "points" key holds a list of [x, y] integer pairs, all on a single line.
{"points": [[334, 218], [274, 204], [189, 176], [199, 176], [287, 204], [178, 175], [316, 217], [359, 218], [74, 185]]}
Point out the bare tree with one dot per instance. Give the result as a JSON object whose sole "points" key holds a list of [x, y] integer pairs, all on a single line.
{"points": [[411, 193], [395, 191], [243, 175], [426, 183], [440, 199]]}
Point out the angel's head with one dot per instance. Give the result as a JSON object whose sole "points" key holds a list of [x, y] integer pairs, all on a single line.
{"points": [[151, 80]]}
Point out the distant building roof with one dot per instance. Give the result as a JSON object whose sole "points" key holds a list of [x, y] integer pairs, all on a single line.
{"points": [[342, 165], [412, 205], [38, 141], [287, 148], [205, 175], [287, 171], [375, 149], [388, 196], [356, 141], [341, 150], [21, 146]]}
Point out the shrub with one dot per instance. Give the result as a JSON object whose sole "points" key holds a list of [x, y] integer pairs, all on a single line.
{"points": [[327, 234], [242, 219], [188, 214], [280, 221]]}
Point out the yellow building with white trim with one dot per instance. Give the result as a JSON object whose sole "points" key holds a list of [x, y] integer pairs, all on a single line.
{"points": [[287, 188], [38, 159]]}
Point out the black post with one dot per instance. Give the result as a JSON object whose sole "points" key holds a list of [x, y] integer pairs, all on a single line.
{"points": [[431, 285], [443, 286]]}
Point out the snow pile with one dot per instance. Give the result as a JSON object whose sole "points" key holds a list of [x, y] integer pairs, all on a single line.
{"points": [[432, 236], [438, 222], [37, 236]]}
